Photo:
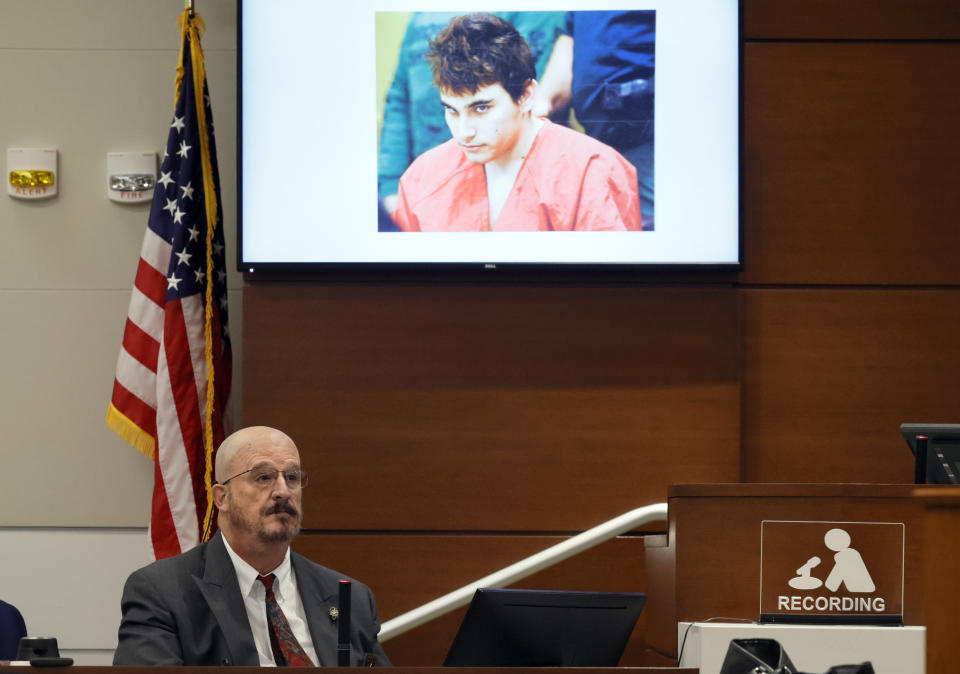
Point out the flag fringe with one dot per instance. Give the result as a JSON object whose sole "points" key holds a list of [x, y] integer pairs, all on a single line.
{"points": [[193, 24], [186, 21], [142, 441]]}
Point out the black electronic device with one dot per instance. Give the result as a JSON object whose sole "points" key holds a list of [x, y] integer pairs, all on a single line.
{"points": [[936, 449], [41, 652], [545, 628]]}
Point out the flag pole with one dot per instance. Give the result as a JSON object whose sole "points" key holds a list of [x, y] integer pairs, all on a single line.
{"points": [[199, 79]]}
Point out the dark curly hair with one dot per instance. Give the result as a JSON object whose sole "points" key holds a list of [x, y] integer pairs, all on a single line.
{"points": [[477, 50]]}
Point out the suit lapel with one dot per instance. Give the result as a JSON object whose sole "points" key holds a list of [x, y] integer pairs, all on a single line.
{"points": [[221, 591], [318, 598]]}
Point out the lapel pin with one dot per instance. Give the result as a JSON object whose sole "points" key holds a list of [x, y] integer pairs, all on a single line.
{"points": [[334, 614]]}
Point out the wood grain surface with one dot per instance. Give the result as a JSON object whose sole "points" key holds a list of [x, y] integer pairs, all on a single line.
{"points": [[479, 408], [852, 19], [830, 374], [850, 170]]}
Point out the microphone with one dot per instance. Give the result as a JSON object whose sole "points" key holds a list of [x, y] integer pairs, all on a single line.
{"points": [[803, 579], [343, 625], [805, 569], [920, 463]]}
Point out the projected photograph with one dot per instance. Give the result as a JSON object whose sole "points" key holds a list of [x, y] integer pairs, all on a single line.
{"points": [[516, 121]]}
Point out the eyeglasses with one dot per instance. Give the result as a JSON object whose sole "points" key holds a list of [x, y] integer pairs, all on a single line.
{"points": [[265, 477]]}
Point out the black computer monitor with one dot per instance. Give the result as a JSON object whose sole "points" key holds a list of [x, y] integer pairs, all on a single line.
{"points": [[941, 465], [545, 628]]}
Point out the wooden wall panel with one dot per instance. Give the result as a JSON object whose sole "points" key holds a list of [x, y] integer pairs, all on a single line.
{"points": [[850, 164], [494, 408], [406, 571], [852, 19], [829, 375]]}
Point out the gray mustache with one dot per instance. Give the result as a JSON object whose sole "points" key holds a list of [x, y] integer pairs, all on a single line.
{"points": [[282, 508]]}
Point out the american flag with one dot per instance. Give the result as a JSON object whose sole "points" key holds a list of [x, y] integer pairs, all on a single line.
{"points": [[171, 391]]}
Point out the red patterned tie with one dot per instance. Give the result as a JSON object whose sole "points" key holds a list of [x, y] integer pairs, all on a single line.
{"points": [[286, 649]]}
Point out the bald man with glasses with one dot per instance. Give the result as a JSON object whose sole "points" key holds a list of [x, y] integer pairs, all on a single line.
{"points": [[245, 598]]}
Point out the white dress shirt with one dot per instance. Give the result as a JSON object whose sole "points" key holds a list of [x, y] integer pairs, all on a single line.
{"points": [[255, 601]]}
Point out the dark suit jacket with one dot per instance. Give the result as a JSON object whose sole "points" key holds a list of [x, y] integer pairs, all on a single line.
{"points": [[187, 610], [12, 628]]}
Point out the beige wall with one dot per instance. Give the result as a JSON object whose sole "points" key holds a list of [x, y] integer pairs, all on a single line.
{"points": [[87, 78]]}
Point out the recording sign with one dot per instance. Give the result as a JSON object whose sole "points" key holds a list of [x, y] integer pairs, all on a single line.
{"points": [[831, 572]]}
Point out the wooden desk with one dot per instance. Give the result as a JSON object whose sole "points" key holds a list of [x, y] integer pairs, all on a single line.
{"points": [[941, 547], [708, 563], [333, 670]]}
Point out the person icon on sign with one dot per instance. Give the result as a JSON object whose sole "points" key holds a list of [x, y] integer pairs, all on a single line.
{"points": [[848, 568]]}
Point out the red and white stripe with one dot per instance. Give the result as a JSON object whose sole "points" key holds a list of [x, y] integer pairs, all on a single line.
{"points": [[160, 388]]}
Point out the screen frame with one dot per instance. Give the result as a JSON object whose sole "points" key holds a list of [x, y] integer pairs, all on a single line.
{"points": [[487, 271]]}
